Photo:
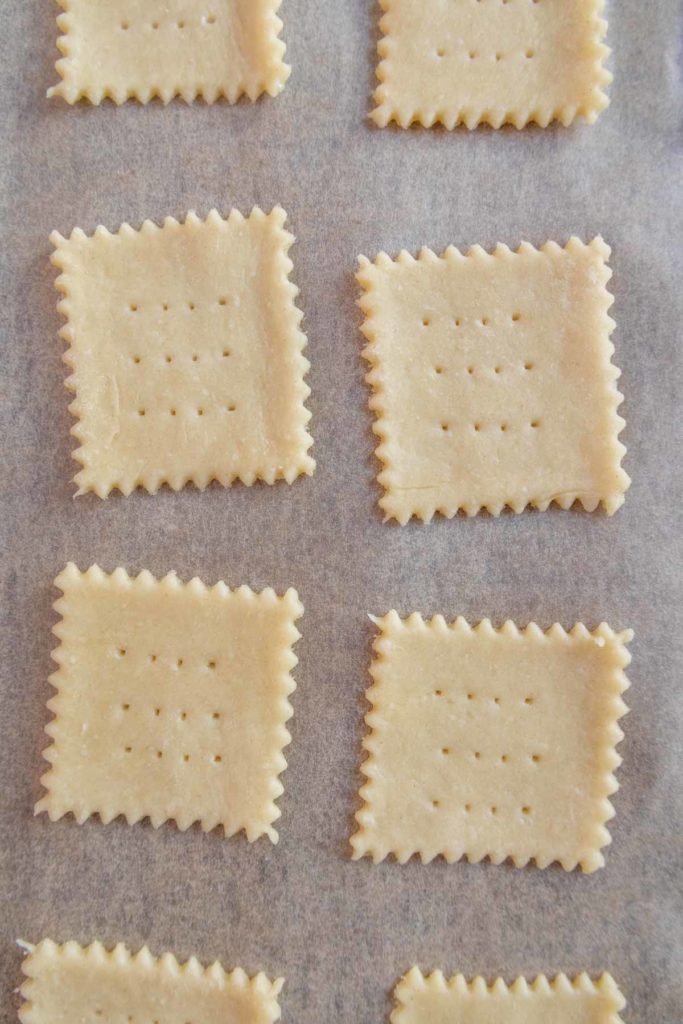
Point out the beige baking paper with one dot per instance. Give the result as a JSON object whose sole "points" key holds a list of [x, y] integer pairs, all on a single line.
{"points": [[342, 932]]}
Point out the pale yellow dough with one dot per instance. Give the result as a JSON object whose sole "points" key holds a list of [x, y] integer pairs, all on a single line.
{"points": [[491, 743], [491, 61], [186, 353], [435, 1000], [492, 379], [171, 701], [137, 49], [69, 984]]}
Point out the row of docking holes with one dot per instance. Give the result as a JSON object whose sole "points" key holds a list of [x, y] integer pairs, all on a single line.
{"points": [[215, 759], [206, 19], [496, 55], [215, 716], [173, 663], [468, 808], [134, 307], [194, 358], [479, 428], [496, 758], [197, 412], [485, 321], [498, 370], [526, 701]]}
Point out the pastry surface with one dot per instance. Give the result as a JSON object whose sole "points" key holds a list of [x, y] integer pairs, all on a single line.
{"points": [[491, 742], [68, 983], [433, 999], [492, 381], [186, 353], [491, 62], [171, 703], [138, 49]]}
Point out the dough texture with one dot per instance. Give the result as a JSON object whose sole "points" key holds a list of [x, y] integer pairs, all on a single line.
{"points": [[171, 702], [492, 379], [435, 1000], [69, 984], [138, 49], [491, 62], [491, 742], [186, 353]]}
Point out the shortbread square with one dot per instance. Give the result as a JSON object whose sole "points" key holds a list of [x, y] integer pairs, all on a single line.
{"points": [[432, 999], [186, 353], [491, 743], [471, 62], [68, 983], [171, 701], [492, 380], [137, 49]]}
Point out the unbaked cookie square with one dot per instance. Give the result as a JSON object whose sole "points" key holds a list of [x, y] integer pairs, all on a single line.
{"points": [[491, 61], [491, 742], [68, 983], [171, 702], [137, 49], [433, 999], [492, 379], [186, 353]]}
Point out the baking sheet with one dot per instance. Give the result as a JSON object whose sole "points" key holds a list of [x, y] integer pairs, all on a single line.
{"points": [[343, 932]]}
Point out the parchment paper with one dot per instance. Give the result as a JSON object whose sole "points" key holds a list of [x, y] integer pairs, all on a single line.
{"points": [[341, 932]]}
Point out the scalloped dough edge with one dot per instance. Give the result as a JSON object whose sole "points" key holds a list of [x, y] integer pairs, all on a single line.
{"points": [[71, 93], [477, 989], [47, 955]]}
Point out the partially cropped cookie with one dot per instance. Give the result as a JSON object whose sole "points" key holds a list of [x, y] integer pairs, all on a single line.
{"points": [[186, 353], [138, 49], [491, 61], [492, 381], [69, 983], [433, 999]]}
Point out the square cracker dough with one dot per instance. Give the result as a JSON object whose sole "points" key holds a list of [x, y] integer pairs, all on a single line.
{"points": [[492, 379], [68, 983], [491, 743], [186, 353], [171, 701], [435, 1000], [490, 61], [137, 49]]}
